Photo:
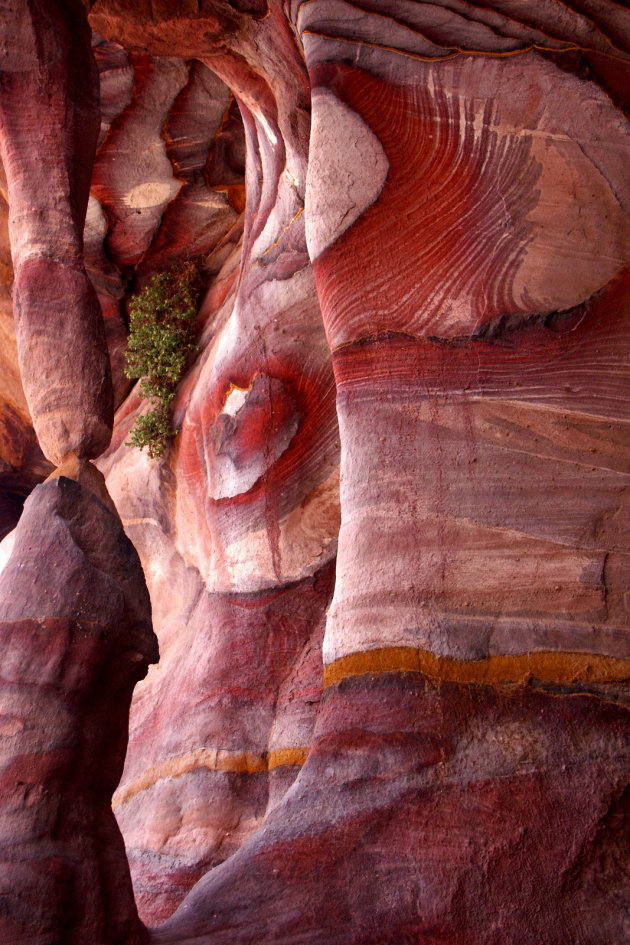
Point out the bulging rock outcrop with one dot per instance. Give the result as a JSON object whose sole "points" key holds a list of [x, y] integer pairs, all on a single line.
{"points": [[433, 811], [50, 94], [387, 550], [75, 637]]}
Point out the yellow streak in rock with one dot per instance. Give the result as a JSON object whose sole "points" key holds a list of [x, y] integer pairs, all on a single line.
{"points": [[214, 759], [286, 756], [454, 51], [502, 669], [141, 521], [295, 217]]}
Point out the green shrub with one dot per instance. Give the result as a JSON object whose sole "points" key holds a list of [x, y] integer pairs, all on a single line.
{"points": [[162, 336], [152, 430]]}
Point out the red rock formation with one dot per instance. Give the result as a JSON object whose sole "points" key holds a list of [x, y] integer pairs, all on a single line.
{"points": [[75, 636], [49, 93], [435, 812], [461, 194], [22, 464], [250, 531], [435, 364]]}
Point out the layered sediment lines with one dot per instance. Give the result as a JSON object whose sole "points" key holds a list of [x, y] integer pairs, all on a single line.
{"points": [[502, 502], [481, 820], [232, 726], [488, 193], [388, 547], [471, 737], [461, 383], [237, 528]]}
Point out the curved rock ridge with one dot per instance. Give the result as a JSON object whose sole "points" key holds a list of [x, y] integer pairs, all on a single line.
{"points": [[75, 637], [387, 550], [136, 191], [370, 30], [463, 175], [277, 453], [245, 513]]}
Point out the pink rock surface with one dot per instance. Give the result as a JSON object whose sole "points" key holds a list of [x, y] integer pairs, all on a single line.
{"points": [[250, 531], [49, 122], [22, 464], [432, 812], [75, 636], [149, 170], [402, 458], [443, 551]]}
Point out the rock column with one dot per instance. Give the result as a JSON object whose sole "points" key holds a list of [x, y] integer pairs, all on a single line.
{"points": [[75, 616], [75, 637], [49, 123]]}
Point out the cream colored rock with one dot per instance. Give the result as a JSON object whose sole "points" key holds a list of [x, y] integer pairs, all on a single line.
{"points": [[346, 172]]}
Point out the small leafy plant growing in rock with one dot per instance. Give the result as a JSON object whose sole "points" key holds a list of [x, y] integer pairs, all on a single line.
{"points": [[162, 337]]}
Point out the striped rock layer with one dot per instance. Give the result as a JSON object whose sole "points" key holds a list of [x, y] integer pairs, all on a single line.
{"points": [[237, 528], [388, 548]]}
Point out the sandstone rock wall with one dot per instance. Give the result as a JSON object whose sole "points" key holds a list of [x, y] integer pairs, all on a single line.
{"points": [[387, 550]]}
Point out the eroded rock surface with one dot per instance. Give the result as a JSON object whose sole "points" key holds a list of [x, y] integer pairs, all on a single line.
{"points": [[432, 811], [50, 95], [75, 637], [237, 529], [402, 460]]}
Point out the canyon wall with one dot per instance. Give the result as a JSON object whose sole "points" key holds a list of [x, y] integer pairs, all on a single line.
{"points": [[386, 552]]}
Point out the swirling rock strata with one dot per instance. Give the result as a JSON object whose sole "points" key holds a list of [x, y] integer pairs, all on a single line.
{"points": [[244, 512], [442, 600], [474, 378], [467, 776], [237, 728]]}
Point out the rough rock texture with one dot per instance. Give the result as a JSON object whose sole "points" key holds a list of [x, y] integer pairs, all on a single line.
{"points": [[75, 636], [236, 531], [49, 92], [402, 459], [22, 464], [436, 812]]}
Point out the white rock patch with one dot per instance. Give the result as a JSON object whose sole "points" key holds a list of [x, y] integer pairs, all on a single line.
{"points": [[6, 549], [347, 170]]}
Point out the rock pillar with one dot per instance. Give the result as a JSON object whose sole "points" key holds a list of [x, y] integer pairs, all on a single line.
{"points": [[75, 637]]}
